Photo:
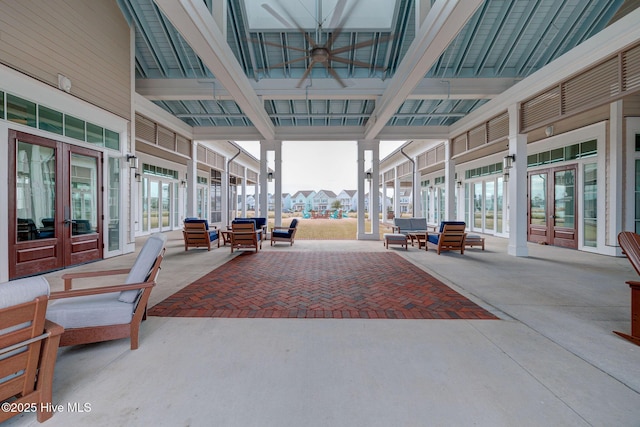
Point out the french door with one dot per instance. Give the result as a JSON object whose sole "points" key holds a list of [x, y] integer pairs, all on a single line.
{"points": [[552, 207], [55, 205]]}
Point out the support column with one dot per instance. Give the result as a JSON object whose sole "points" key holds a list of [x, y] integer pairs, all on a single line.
{"points": [[278, 183], [450, 183], [374, 193], [416, 192], [243, 203], [517, 188], [397, 207], [276, 147], [224, 196], [262, 199], [192, 183], [616, 169]]}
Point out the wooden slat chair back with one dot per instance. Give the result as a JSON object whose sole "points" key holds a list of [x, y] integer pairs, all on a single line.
{"points": [[452, 238], [28, 347], [244, 236], [630, 244]]}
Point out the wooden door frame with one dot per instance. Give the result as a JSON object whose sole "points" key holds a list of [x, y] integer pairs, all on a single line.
{"points": [[549, 238], [47, 254]]}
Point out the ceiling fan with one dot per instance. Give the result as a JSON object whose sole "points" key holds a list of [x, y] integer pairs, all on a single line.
{"points": [[319, 52]]}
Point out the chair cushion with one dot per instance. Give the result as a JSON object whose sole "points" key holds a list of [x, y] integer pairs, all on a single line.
{"points": [[281, 233], [142, 266], [433, 238], [418, 224], [294, 223], [213, 235], [92, 310], [22, 290]]}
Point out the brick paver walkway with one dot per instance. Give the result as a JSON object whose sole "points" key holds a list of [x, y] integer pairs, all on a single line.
{"points": [[319, 285]]}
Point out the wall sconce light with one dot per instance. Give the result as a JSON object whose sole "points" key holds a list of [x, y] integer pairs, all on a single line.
{"points": [[183, 183], [459, 184], [368, 176], [133, 161], [270, 176], [507, 162], [549, 131], [431, 187], [505, 175], [138, 177]]}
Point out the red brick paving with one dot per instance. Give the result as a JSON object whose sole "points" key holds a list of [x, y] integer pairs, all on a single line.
{"points": [[363, 285]]}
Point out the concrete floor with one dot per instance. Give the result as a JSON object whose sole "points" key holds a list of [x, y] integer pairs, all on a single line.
{"points": [[551, 360]]}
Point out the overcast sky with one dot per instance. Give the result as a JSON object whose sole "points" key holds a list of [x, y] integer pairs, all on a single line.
{"points": [[318, 165]]}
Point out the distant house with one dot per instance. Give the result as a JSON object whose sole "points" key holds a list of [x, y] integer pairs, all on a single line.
{"points": [[303, 200], [323, 200], [380, 199], [405, 197], [287, 202], [348, 200]]}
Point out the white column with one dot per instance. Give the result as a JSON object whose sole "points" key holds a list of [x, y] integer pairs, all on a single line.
{"points": [[374, 193], [192, 183], [224, 195], [517, 188], [449, 182], [416, 190], [361, 190], [263, 206], [616, 171], [243, 203], [396, 195], [278, 183]]}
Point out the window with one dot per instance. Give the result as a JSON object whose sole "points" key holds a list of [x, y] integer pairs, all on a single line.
{"points": [[216, 196], [590, 213]]}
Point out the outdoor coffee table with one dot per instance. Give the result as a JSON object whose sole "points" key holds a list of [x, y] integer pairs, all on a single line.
{"points": [[421, 238]]}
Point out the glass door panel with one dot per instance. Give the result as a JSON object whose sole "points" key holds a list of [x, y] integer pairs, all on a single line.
{"points": [[154, 205], [145, 205], [166, 205], [499, 205], [538, 199], [564, 215], [35, 192], [477, 206], [489, 209], [84, 194]]}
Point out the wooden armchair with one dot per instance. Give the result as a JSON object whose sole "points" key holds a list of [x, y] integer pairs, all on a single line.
{"points": [[630, 244], [198, 234], [450, 238], [284, 234], [28, 348], [110, 312], [245, 236]]}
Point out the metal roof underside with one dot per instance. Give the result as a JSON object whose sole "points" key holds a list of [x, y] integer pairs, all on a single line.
{"points": [[501, 43]]}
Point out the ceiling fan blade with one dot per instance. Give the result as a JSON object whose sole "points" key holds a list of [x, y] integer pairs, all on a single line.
{"points": [[334, 74], [306, 73], [354, 62], [337, 28], [278, 45], [286, 23], [362, 44], [337, 14], [276, 15], [282, 64]]}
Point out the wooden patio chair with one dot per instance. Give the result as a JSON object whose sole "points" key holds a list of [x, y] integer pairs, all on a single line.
{"points": [[28, 348], [198, 234], [284, 234], [244, 236], [630, 244], [109, 312], [451, 238]]}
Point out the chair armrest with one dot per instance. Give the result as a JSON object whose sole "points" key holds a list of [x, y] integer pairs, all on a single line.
{"points": [[395, 229], [100, 290], [68, 277], [53, 328], [281, 228]]}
